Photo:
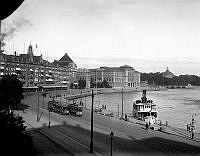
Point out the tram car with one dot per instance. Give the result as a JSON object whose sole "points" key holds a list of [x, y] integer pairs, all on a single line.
{"points": [[55, 106], [75, 109]]}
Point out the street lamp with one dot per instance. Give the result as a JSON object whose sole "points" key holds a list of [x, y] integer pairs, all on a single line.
{"points": [[111, 139], [96, 81], [49, 120], [122, 103], [91, 131]]}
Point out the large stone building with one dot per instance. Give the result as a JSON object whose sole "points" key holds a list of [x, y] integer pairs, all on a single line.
{"points": [[34, 70], [123, 76]]}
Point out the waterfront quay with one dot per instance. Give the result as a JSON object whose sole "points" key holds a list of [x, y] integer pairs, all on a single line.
{"points": [[70, 135]]}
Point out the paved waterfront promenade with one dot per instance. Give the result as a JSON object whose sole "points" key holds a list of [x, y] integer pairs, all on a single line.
{"points": [[70, 135]]}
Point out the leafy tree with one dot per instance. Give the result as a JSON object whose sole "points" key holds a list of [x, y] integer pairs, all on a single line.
{"points": [[14, 140], [92, 83], [105, 84], [181, 80], [10, 92], [81, 84]]}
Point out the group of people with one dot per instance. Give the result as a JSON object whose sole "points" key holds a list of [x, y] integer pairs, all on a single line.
{"points": [[191, 127]]}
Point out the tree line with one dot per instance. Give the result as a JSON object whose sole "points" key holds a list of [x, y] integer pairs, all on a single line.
{"points": [[81, 84], [181, 80]]}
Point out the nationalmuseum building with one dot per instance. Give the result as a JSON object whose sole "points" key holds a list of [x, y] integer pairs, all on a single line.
{"points": [[117, 77], [34, 70]]}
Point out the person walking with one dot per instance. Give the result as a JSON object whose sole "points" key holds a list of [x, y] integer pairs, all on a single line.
{"points": [[126, 118], [147, 126], [192, 131]]}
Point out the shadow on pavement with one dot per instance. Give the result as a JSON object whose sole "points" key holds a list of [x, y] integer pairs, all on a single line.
{"points": [[45, 145]]}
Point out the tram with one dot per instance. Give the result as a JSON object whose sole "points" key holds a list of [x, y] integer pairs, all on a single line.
{"points": [[55, 106], [75, 109]]}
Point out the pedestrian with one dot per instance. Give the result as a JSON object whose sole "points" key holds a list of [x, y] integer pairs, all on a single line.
{"points": [[125, 117], [192, 133], [146, 125], [187, 127]]}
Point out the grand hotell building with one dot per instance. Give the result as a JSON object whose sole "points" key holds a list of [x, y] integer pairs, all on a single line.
{"points": [[35, 71]]}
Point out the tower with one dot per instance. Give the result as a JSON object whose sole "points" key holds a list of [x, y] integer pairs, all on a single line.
{"points": [[30, 53]]}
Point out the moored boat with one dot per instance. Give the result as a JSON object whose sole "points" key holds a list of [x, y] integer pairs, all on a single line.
{"points": [[144, 108]]}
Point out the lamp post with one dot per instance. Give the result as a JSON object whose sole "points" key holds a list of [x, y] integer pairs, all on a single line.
{"points": [[38, 106], [0, 38], [91, 131], [122, 103], [111, 139], [96, 81], [49, 120]]}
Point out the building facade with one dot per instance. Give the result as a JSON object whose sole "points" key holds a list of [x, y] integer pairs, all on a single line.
{"points": [[117, 77], [34, 70]]}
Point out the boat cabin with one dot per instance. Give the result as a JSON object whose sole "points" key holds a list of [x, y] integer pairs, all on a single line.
{"points": [[144, 107]]}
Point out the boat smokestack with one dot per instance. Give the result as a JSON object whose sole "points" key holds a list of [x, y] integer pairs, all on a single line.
{"points": [[144, 99]]}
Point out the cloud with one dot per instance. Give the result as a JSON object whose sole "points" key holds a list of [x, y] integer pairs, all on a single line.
{"points": [[12, 28]]}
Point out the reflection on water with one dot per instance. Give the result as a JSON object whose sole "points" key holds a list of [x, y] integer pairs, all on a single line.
{"points": [[174, 105]]}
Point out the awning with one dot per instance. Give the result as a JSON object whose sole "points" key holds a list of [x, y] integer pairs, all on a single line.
{"points": [[65, 82], [18, 68], [50, 80]]}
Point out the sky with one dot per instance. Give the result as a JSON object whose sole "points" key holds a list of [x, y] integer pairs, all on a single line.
{"points": [[148, 35]]}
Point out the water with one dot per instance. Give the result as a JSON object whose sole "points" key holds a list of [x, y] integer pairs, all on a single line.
{"points": [[174, 105]]}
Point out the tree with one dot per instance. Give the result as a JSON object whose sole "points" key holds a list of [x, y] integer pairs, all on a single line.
{"points": [[105, 84], [14, 140], [181, 80], [92, 83], [81, 84], [10, 92]]}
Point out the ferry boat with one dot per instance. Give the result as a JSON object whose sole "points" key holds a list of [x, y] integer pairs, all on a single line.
{"points": [[144, 108]]}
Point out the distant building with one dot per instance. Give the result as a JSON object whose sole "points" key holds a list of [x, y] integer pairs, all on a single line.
{"points": [[34, 70], [123, 76], [168, 74]]}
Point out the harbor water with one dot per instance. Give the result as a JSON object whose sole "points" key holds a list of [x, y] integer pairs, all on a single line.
{"points": [[176, 106]]}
